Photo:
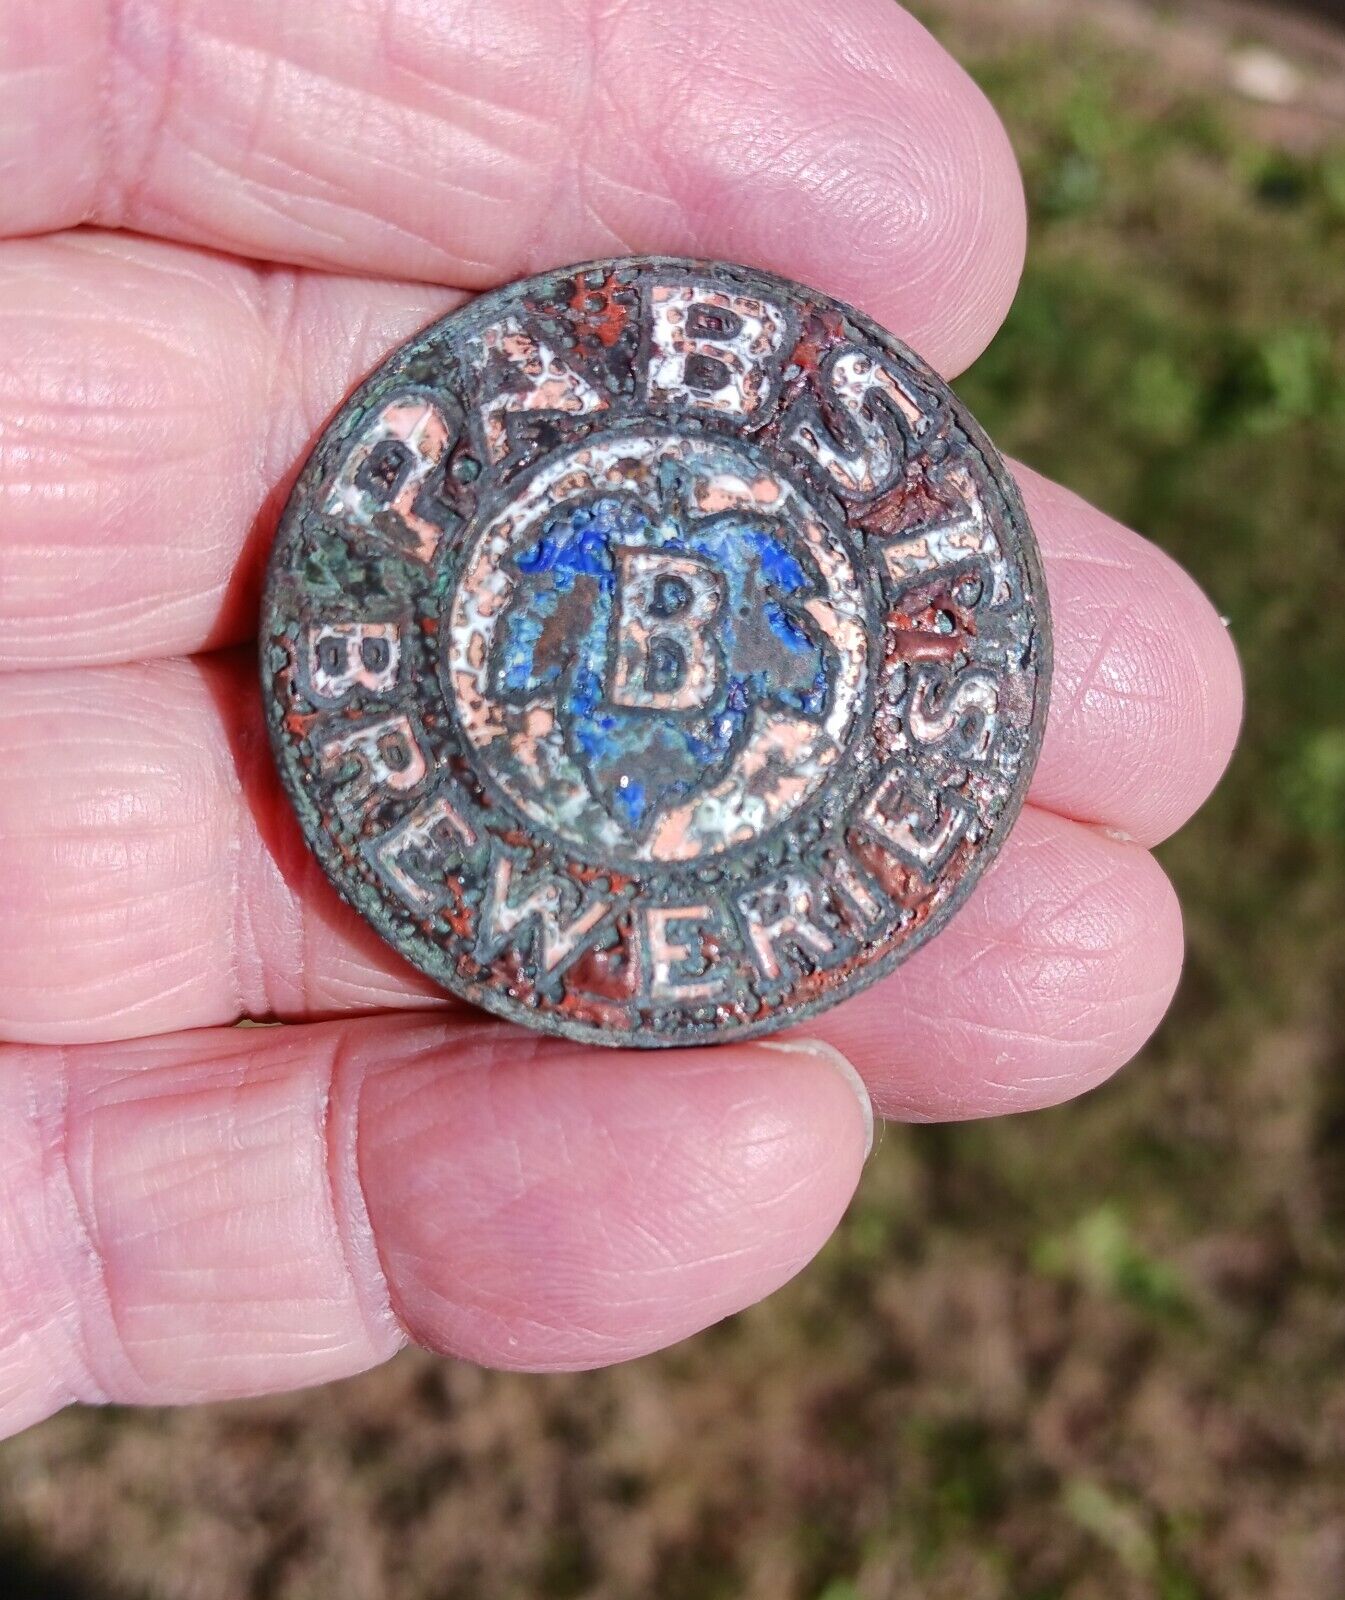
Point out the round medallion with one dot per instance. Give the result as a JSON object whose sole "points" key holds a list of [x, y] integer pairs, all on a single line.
{"points": [[655, 651]]}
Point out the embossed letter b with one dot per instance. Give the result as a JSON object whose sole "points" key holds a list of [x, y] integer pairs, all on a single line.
{"points": [[662, 657]]}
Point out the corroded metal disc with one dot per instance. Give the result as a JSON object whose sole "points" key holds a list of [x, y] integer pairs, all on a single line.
{"points": [[655, 652]]}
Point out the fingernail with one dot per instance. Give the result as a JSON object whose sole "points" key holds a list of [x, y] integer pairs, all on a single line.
{"points": [[821, 1051]]}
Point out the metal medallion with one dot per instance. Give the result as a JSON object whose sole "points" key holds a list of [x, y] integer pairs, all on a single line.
{"points": [[655, 652]]}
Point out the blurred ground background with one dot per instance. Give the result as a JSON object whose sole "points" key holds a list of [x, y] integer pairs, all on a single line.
{"points": [[1093, 1354]]}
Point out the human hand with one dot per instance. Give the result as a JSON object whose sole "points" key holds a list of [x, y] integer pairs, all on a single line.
{"points": [[191, 1211]]}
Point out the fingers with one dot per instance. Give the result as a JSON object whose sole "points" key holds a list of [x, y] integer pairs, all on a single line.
{"points": [[155, 403], [1058, 968], [473, 141], [152, 875], [198, 382], [155, 879], [1146, 693], [232, 1212]]}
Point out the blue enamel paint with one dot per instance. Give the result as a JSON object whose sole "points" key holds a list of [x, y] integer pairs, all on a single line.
{"points": [[630, 800], [640, 761]]}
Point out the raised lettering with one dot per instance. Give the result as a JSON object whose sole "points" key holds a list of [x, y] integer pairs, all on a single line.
{"points": [[542, 382], [781, 911], [414, 855], [712, 351], [865, 459], [962, 535], [550, 906], [855, 890], [920, 828], [381, 755], [962, 711], [663, 658], [344, 656], [384, 470], [677, 969]]}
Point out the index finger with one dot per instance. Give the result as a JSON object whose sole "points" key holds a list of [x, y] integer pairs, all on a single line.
{"points": [[468, 142]]}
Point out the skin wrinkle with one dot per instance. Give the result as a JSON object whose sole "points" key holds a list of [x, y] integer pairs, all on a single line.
{"points": [[372, 104], [1037, 915], [479, 62], [688, 1165], [1057, 1034], [122, 184], [29, 1318], [175, 1179], [263, 102], [1117, 645], [300, 996], [96, 581], [237, 919], [263, 201], [104, 295], [401, 1318], [105, 106], [1139, 638], [90, 409], [187, 1179], [517, 1199], [574, 156], [276, 306], [346, 1073], [412, 120], [464, 104], [766, 152], [1083, 912], [1160, 993], [185, 1318], [90, 1276]]}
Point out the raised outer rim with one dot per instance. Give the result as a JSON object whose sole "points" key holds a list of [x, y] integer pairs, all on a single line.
{"points": [[503, 1005]]}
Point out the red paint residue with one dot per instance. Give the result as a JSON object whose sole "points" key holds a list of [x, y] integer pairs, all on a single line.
{"points": [[611, 974], [603, 315], [905, 507]]}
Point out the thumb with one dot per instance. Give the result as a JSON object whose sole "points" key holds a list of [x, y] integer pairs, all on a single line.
{"points": [[233, 1211]]}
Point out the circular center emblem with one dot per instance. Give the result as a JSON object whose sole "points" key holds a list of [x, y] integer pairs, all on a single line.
{"points": [[654, 651], [657, 649]]}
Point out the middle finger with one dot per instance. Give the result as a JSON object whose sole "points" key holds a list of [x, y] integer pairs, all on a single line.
{"points": [[157, 880], [154, 403]]}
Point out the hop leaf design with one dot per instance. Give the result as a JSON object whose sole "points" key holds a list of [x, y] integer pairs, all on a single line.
{"points": [[554, 646]]}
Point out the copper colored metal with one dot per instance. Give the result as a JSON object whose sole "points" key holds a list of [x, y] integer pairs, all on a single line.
{"points": [[655, 652]]}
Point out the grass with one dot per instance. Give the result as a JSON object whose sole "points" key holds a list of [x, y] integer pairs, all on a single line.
{"points": [[1094, 1354]]}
